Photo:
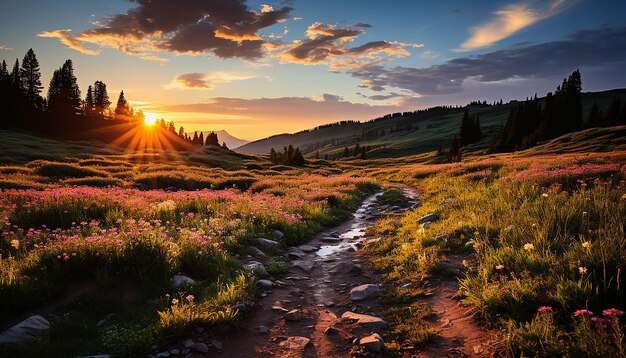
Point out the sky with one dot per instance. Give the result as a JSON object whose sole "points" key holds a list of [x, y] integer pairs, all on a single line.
{"points": [[259, 68]]}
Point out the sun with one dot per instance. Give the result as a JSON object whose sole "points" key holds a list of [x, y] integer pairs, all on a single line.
{"points": [[149, 119]]}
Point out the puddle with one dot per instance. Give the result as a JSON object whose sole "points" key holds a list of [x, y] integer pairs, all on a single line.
{"points": [[359, 223]]}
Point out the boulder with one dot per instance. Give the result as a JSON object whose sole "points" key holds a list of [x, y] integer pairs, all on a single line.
{"points": [[330, 239], [216, 344], [295, 343], [304, 265], [279, 234], [365, 321], [200, 347], [266, 244], [345, 267], [362, 292], [24, 331], [255, 252], [296, 253], [427, 218], [182, 280], [307, 248], [265, 284], [373, 342], [256, 267]]}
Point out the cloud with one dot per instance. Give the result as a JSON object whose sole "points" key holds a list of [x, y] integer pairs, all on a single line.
{"points": [[66, 38], [590, 49], [228, 29], [206, 81], [509, 20], [329, 45], [4, 48]]}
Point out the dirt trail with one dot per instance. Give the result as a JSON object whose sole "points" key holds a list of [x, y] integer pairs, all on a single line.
{"points": [[321, 294]]}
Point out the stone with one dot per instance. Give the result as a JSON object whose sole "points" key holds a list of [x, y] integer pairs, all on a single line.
{"points": [[24, 331], [293, 315], [175, 351], [256, 267], [364, 320], [345, 267], [255, 252], [334, 234], [296, 253], [261, 330], [295, 343], [163, 355], [188, 343], [279, 234], [362, 292], [217, 344], [239, 306], [427, 218], [200, 347], [182, 280], [373, 342], [266, 244], [304, 265], [330, 239], [307, 248], [265, 284], [331, 330]]}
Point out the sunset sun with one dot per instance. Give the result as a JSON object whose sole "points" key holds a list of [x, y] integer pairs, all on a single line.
{"points": [[150, 119]]}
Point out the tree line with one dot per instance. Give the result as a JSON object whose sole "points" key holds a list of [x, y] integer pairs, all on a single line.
{"points": [[289, 156]]}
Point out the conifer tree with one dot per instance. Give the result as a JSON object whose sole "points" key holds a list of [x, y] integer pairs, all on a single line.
{"points": [[224, 146], [122, 109], [14, 76], [181, 132], [63, 92], [201, 138], [100, 98], [89, 103], [30, 77]]}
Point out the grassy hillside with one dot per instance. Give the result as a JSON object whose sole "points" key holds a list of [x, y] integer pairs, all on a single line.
{"points": [[429, 131]]}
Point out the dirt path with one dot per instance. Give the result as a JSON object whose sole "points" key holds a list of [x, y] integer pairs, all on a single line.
{"points": [[300, 316]]}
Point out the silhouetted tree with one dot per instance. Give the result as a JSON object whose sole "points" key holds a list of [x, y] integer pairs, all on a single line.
{"points": [[455, 150], [195, 138], [14, 77], [201, 138], [30, 77], [89, 103], [224, 146], [122, 109], [594, 118], [211, 139], [181, 132], [63, 93], [101, 100]]}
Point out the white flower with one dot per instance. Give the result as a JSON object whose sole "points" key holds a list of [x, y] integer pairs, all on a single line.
{"points": [[529, 246], [175, 301], [582, 270], [545, 195], [499, 267], [586, 244]]}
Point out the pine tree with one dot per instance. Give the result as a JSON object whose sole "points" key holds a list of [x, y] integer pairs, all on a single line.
{"points": [[181, 132], [195, 138], [89, 104], [224, 146], [30, 77], [171, 128], [14, 77], [201, 138], [63, 92], [4, 74], [212, 140], [101, 98], [594, 118], [122, 109]]}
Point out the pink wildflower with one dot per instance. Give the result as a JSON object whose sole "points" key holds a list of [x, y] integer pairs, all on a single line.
{"points": [[583, 313], [545, 309], [613, 312], [190, 298]]}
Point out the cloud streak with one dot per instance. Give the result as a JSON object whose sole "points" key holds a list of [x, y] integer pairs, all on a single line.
{"points": [[206, 81], [588, 48], [509, 20], [68, 40]]}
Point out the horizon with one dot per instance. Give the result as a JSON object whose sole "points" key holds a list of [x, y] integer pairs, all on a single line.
{"points": [[291, 66]]}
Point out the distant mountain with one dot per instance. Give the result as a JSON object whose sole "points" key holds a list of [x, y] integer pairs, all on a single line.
{"points": [[408, 133], [231, 142]]}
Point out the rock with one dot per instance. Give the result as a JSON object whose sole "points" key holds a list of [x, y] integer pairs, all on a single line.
{"points": [[163, 355], [293, 315], [279, 234], [295, 343], [331, 330], [330, 239], [364, 291], [345, 267], [427, 218], [266, 244], [447, 266], [261, 330], [373, 342], [200, 347], [217, 344], [175, 351], [364, 320], [188, 343], [304, 265], [307, 248], [181, 280], [24, 331], [265, 284], [255, 252], [256, 267], [442, 237], [98, 356], [334, 234], [239, 306], [296, 253]]}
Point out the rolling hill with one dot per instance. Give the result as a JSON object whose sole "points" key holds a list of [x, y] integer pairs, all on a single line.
{"points": [[407, 133]]}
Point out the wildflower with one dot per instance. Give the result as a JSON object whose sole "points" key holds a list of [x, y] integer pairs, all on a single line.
{"points": [[613, 312], [15, 244], [578, 313], [601, 321], [545, 309], [582, 270], [73, 254], [175, 301], [190, 298], [586, 244], [545, 195], [529, 246], [58, 257], [499, 267]]}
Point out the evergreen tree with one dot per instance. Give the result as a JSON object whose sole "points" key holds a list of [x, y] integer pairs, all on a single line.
{"points": [[181, 132], [224, 146], [195, 138], [4, 74], [171, 128], [30, 77], [101, 98], [63, 92], [594, 118], [89, 103], [201, 138], [122, 109], [612, 113], [212, 140], [14, 77], [273, 156]]}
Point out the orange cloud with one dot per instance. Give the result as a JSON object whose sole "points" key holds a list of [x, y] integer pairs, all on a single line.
{"points": [[68, 40]]}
